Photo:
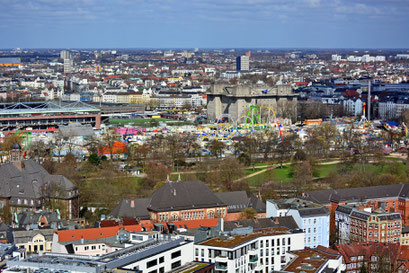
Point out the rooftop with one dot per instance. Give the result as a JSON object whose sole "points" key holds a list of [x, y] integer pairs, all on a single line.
{"points": [[310, 260], [236, 240]]}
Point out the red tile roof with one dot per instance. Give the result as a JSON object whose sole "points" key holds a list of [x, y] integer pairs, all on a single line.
{"points": [[96, 233], [197, 223]]}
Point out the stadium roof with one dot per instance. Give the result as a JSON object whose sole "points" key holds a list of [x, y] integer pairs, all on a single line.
{"points": [[44, 107]]}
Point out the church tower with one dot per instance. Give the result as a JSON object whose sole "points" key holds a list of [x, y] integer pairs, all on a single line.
{"points": [[16, 155]]}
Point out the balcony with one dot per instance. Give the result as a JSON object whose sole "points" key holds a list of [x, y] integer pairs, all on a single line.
{"points": [[253, 251], [222, 259], [221, 267], [253, 259]]}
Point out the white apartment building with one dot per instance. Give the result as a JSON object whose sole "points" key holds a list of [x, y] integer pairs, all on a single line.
{"points": [[353, 107], [312, 218], [258, 251], [109, 97], [391, 109]]}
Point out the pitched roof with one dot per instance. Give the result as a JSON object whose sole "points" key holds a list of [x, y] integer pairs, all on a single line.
{"points": [[357, 194], [97, 233], [27, 183], [237, 201], [192, 224], [183, 195], [369, 249], [132, 208], [310, 260]]}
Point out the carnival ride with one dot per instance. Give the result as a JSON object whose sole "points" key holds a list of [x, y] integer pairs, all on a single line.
{"points": [[259, 120]]}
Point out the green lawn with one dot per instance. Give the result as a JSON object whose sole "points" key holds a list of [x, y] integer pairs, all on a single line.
{"points": [[284, 174]]}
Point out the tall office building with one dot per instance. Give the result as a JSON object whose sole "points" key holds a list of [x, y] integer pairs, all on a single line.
{"points": [[65, 54], [243, 63], [68, 64]]}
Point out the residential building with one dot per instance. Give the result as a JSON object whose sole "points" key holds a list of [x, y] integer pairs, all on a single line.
{"points": [[243, 63], [355, 225], [97, 241], [404, 237], [314, 260], [390, 198], [353, 107], [248, 250], [34, 240], [374, 257], [162, 254], [313, 218], [26, 184]]}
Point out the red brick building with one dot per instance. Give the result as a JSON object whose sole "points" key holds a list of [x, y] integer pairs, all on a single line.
{"points": [[390, 257]]}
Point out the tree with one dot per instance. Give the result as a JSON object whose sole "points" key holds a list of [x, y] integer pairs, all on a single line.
{"points": [[109, 139], [94, 159], [10, 140], [302, 175], [326, 133], [229, 170], [216, 147], [155, 172], [248, 213]]}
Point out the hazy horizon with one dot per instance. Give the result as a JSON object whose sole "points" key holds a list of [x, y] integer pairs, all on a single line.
{"points": [[212, 24]]}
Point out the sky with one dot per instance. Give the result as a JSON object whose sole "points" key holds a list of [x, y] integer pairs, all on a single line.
{"points": [[204, 23]]}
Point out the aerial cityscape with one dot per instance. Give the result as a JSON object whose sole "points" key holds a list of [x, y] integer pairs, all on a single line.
{"points": [[204, 136]]}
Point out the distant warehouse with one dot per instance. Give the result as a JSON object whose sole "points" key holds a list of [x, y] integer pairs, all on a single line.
{"points": [[46, 116]]}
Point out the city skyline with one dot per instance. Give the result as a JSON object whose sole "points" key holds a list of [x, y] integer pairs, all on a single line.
{"points": [[210, 24]]}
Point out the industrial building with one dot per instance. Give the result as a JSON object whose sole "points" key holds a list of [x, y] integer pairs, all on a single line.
{"points": [[235, 100], [46, 116]]}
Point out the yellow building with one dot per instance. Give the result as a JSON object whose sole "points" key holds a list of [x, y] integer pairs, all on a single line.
{"points": [[34, 241], [404, 237], [136, 98], [122, 98]]}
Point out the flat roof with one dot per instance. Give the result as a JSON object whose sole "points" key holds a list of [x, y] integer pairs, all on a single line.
{"points": [[236, 240]]}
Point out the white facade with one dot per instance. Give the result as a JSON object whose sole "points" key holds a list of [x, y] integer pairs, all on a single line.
{"points": [[390, 109], [166, 260], [314, 224], [353, 107], [260, 254]]}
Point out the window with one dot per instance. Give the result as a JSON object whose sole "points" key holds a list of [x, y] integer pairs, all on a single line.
{"points": [[202, 253], [151, 263], [177, 254], [175, 264], [93, 247], [86, 247], [161, 259], [197, 252]]}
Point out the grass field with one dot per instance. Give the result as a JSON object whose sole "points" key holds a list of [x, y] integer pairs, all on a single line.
{"points": [[285, 173]]}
